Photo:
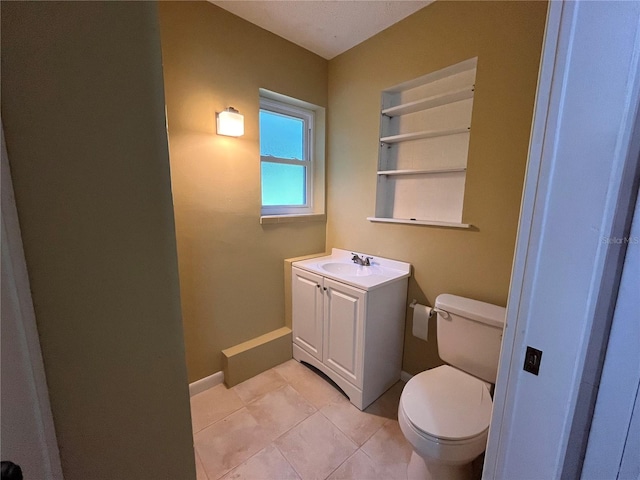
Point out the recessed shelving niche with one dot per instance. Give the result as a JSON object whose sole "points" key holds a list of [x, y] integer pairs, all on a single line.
{"points": [[425, 126]]}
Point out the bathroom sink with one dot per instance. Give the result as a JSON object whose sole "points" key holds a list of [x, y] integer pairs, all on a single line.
{"points": [[339, 266], [348, 269]]}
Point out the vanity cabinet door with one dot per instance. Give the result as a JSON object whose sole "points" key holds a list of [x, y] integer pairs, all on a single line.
{"points": [[344, 311], [307, 314]]}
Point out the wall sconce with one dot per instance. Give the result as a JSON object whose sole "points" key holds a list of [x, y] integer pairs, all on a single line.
{"points": [[230, 122]]}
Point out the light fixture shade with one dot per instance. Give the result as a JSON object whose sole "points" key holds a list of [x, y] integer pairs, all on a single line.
{"points": [[230, 122]]}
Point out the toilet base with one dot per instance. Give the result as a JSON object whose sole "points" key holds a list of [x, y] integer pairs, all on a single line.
{"points": [[418, 469]]}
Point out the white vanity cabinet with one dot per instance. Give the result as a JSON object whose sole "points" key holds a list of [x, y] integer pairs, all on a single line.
{"points": [[328, 323], [308, 311], [353, 335]]}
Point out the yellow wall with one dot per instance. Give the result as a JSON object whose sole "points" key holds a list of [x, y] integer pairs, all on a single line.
{"points": [[83, 114], [507, 38], [230, 266]]}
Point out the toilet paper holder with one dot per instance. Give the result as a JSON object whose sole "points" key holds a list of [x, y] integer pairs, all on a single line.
{"points": [[414, 302]]}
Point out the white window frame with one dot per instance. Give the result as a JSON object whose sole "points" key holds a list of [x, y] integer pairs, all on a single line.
{"points": [[308, 117]]}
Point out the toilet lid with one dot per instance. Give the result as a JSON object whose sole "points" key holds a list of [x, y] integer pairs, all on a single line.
{"points": [[447, 403]]}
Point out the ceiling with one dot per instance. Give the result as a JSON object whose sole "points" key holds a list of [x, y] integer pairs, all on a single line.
{"points": [[325, 27]]}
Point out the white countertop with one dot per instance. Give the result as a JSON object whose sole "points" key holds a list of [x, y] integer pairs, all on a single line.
{"points": [[339, 266]]}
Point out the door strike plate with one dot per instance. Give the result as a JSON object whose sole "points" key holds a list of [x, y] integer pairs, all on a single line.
{"points": [[532, 360]]}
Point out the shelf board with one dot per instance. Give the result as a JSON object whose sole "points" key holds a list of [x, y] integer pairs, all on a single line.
{"points": [[429, 102], [409, 221], [422, 171], [463, 66], [424, 134]]}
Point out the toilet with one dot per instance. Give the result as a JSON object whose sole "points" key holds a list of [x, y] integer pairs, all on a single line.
{"points": [[445, 412]]}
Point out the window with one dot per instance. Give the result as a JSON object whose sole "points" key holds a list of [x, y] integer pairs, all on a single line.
{"points": [[286, 158]]}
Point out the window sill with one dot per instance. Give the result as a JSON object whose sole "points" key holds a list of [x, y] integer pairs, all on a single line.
{"points": [[293, 218]]}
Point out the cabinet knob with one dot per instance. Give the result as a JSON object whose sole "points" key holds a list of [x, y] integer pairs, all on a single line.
{"points": [[318, 286], [325, 289]]}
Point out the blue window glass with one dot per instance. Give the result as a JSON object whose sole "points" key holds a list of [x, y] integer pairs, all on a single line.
{"points": [[281, 136], [283, 184], [285, 157]]}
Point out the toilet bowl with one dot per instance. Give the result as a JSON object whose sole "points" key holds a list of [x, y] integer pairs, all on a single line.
{"points": [[445, 412]]}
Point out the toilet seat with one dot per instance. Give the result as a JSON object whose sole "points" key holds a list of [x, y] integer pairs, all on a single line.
{"points": [[447, 405]]}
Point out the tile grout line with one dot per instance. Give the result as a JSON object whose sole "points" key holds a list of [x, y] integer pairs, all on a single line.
{"points": [[306, 399], [294, 426], [365, 452], [272, 442], [244, 404], [358, 447], [218, 421], [347, 435], [202, 464], [287, 460], [343, 462], [317, 410]]}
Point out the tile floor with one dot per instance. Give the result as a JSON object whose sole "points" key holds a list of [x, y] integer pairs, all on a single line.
{"points": [[290, 423]]}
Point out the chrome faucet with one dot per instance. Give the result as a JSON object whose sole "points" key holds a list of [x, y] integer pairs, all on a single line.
{"points": [[364, 261]]}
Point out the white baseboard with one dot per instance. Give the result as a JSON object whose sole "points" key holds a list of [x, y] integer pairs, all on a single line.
{"points": [[404, 376], [205, 383]]}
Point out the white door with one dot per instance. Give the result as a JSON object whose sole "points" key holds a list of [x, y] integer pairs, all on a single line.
{"points": [[307, 311], [343, 337], [614, 438]]}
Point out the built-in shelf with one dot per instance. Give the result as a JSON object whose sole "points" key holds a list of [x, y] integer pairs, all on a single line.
{"points": [[423, 151], [424, 134], [411, 221], [422, 171], [430, 102]]}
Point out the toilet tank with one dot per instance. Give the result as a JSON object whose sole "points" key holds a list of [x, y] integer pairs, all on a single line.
{"points": [[470, 335]]}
